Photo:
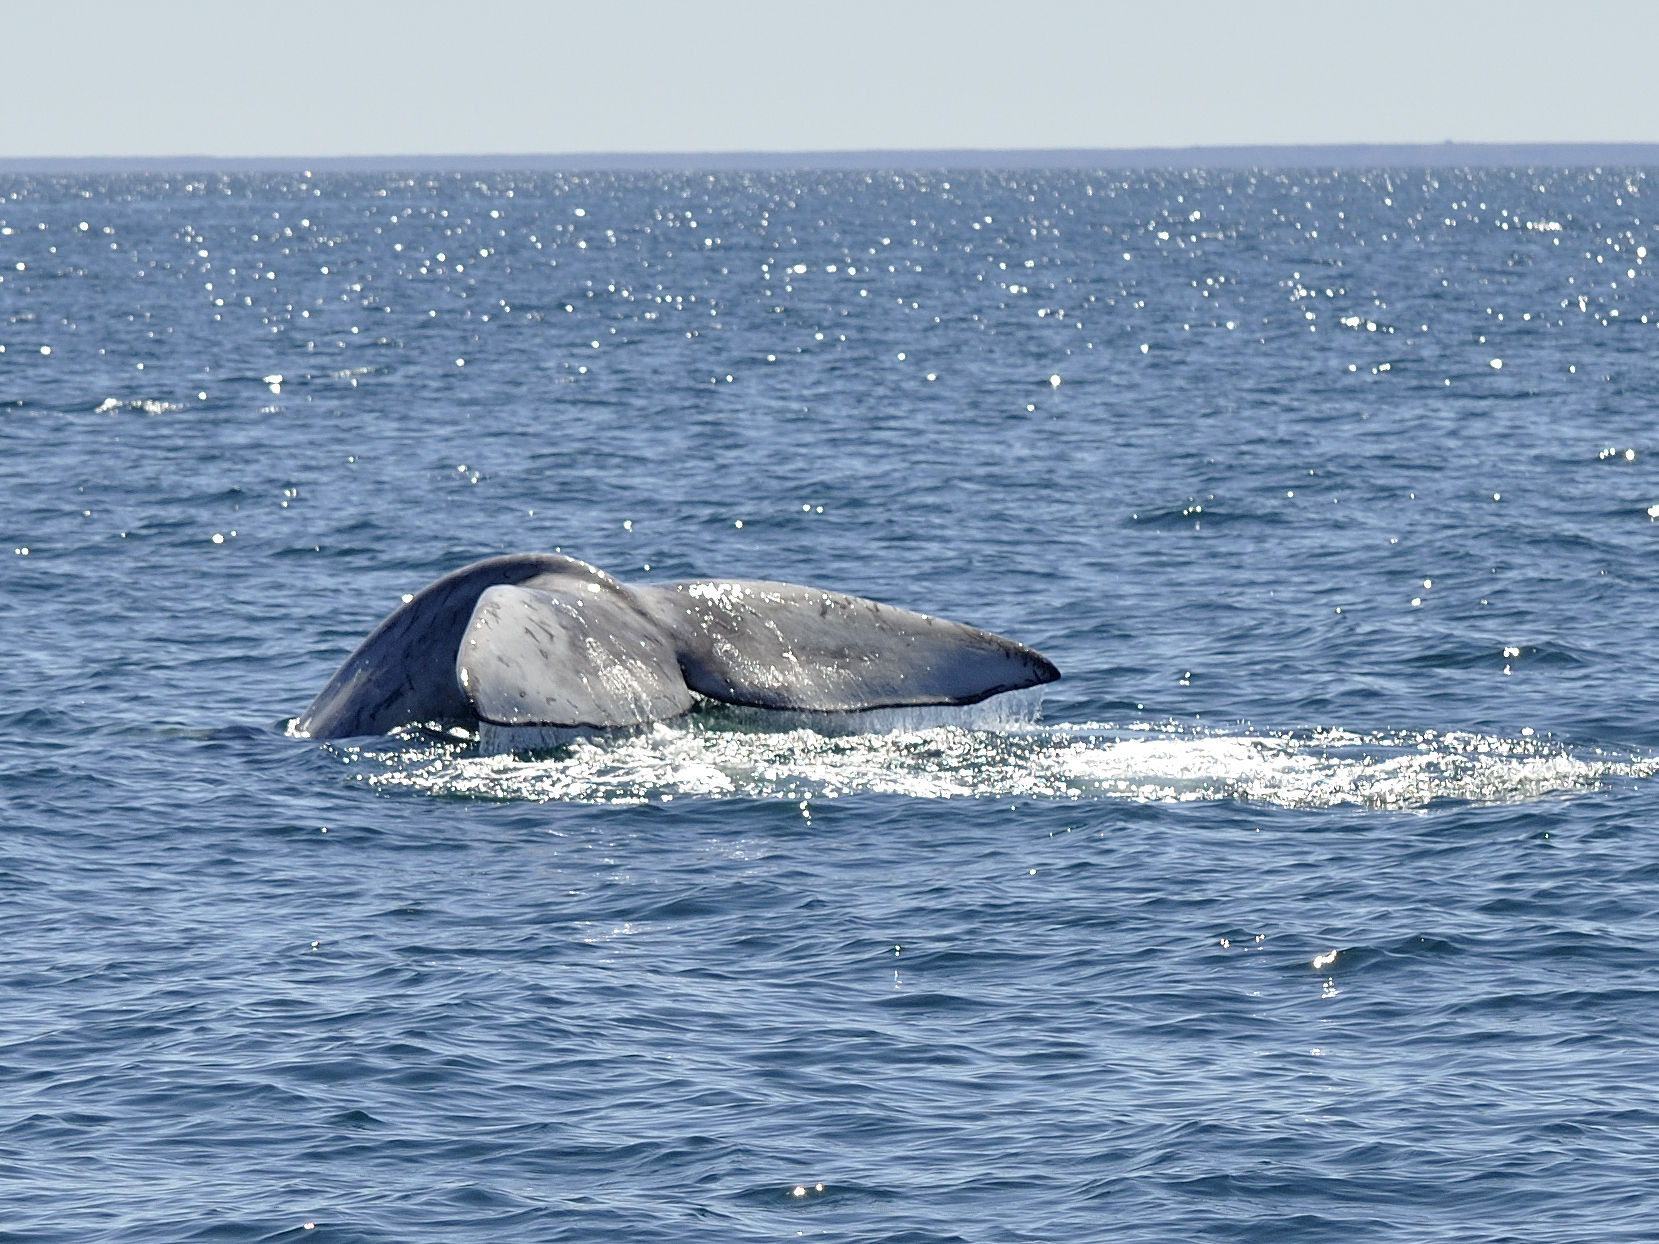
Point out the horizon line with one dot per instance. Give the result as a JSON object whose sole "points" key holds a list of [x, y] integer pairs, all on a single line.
{"points": [[1236, 156]]}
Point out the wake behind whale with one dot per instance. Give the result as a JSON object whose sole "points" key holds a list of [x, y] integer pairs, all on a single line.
{"points": [[716, 753]]}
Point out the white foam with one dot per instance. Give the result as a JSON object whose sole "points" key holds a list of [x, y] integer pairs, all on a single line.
{"points": [[150, 406], [718, 753]]}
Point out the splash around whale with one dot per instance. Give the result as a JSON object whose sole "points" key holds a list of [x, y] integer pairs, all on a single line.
{"points": [[541, 646]]}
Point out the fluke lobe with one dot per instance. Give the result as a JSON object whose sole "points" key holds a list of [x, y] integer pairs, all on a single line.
{"points": [[539, 639]]}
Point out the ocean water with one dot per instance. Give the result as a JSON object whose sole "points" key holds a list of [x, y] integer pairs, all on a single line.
{"points": [[1320, 902]]}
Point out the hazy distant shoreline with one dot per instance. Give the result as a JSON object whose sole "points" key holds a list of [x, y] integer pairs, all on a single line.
{"points": [[1370, 155]]}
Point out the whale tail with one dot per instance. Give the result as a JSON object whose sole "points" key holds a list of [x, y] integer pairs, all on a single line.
{"points": [[548, 641], [405, 670], [783, 646]]}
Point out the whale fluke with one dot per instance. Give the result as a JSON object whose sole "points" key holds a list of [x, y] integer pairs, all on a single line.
{"points": [[539, 639], [782, 646], [587, 658], [405, 670]]}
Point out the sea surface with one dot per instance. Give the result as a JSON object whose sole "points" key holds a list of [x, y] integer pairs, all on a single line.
{"points": [[1321, 902]]}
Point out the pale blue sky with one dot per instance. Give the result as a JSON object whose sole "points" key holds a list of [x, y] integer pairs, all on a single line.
{"points": [[90, 77]]}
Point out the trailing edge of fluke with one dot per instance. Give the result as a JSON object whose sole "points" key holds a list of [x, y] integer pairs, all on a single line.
{"points": [[539, 639]]}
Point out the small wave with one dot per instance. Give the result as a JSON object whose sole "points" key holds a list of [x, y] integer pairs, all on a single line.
{"points": [[714, 755], [150, 406]]}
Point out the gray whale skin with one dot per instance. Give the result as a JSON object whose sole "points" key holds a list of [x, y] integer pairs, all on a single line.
{"points": [[539, 639]]}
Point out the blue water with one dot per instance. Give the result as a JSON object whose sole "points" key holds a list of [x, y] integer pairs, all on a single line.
{"points": [[1320, 905]]}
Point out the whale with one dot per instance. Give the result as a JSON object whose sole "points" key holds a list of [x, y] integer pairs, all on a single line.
{"points": [[545, 641]]}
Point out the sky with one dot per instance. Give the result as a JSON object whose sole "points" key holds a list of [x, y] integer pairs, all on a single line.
{"points": [[362, 77]]}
